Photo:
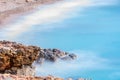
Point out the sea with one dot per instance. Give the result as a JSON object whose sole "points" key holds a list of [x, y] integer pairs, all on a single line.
{"points": [[88, 28]]}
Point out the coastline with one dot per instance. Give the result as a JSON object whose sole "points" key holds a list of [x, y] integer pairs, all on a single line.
{"points": [[18, 60], [8, 15], [16, 77]]}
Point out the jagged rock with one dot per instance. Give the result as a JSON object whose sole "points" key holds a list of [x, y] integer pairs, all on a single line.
{"points": [[54, 54], [13, 54], [16, 58]]}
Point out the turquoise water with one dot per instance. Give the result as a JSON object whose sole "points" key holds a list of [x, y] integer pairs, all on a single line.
{"points": [[93, 34]]}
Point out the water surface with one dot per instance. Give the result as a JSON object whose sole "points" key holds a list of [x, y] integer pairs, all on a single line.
{"points": [[93, 33]]}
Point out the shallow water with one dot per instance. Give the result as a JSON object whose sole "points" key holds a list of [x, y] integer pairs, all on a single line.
{"points": [[92, 32]]}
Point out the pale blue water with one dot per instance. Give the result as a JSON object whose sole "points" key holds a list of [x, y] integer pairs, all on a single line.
{"points": [[96, 32]]}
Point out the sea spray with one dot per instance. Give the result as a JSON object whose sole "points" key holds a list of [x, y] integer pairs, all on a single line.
{"points": [[86, 60]]}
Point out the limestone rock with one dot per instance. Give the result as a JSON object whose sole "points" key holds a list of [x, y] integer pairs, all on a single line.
{"points": [[13, 54], [16, 58]]}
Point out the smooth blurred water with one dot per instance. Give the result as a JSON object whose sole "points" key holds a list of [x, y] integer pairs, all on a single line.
{"points": [[93, 34]]}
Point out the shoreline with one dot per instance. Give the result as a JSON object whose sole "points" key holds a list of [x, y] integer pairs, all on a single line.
{"points": [[18, 60], [22, 77], [8, 16]]}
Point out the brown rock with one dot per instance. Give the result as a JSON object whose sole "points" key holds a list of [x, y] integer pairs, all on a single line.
{"points": [[16, 58], [13, 54], [16, 77]]}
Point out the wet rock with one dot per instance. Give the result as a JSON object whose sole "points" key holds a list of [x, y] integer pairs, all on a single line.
{"points": [[40, 60], [73, 56], [53, 55], [66, 58]]}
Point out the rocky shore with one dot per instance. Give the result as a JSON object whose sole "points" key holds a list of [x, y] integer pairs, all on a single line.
{"points": [[15, 77], [53, 55], [12, 8], [17, 59]]}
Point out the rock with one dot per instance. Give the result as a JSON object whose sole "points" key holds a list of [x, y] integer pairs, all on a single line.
{"points": [[16, 77], [58, 79], [66, 58], [16, 58], [53, 54], [40, 60], [26, 71], [13, 70], [13, 54], [73, 56], [49, 78], [69, 57], [51, 57], [55, 50]]}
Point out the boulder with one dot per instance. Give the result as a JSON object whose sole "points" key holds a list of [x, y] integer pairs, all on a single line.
{"points": [[13, 54]]}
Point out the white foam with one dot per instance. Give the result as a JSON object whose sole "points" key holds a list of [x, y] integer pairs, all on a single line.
{"points": [[49, 14], [85, 61]]}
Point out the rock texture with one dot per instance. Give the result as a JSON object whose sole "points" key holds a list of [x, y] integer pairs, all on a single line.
{"points": [[16, 58], [53, 55], [15, 77], [14, 55]]}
